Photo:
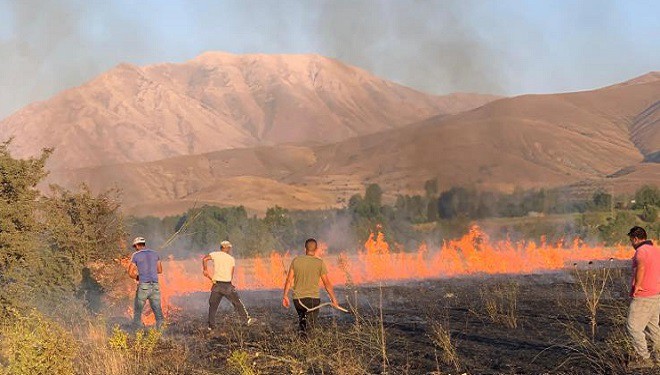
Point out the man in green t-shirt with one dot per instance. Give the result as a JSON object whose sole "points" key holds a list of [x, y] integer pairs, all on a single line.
{"points": [[305, 272]]}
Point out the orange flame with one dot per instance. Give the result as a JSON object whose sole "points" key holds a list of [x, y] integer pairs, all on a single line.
{"points": [[474, 253]]}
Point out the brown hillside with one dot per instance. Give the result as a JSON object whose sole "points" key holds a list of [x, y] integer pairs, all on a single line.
{"points": [[532, 140], [217, 101], [592, 138]]}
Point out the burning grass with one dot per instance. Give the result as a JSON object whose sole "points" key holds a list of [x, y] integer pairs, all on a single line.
{"points": [[527, 323], [473, 254]]}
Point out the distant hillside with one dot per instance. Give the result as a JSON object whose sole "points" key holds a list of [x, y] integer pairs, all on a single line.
{"points": [[604, 137], [214, 102]]}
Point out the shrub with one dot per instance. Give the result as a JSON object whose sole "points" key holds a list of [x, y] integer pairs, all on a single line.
{"points": [[34, 345], [650, 214], [119, 339], [146, 342], [647, 196], [239, 360]]}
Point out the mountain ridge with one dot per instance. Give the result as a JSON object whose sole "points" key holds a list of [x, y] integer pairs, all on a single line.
{"points": [[307, 132], [530, 141], [217, 101]]}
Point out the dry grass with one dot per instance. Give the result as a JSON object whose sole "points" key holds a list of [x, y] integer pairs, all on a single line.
{"points": [[332, 350], [608, 356], [500, 302], [605, 352], [441, 337], [121, 353], [592, 282]]}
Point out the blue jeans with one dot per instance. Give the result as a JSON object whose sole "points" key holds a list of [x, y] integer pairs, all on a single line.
{"points": [[144, 292]]}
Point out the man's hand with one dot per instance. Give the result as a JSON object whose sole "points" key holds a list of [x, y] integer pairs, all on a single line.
{"points": [[205, 269], [133, 272], [637, 290], [285, 302]]}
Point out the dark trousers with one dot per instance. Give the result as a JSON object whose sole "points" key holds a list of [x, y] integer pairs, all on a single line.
{"points": [[306, 319], [225, 289]]}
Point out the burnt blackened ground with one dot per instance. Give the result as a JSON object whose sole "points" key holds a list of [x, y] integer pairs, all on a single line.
{"points": [[552, 335]]}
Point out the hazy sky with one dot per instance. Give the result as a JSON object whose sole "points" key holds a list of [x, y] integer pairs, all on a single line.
{"points": [[500, 46]]}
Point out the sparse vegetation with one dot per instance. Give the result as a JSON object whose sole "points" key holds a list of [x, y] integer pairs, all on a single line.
{"points": [[442, 339], [592, 282], [35, 345], [500, 303], [119, 339], [240, 361], [608, 356]]}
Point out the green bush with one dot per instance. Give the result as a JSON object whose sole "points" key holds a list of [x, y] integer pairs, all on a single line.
{"points": [[119, 339], [146, 342], [647, 196], [650, 214], [616, 229], [34, 345], [240, 361]]}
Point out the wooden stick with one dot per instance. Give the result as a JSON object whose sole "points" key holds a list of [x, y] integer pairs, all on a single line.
{"points": [[322, 305]]}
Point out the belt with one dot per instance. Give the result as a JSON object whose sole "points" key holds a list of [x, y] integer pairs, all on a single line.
{"points": [[221, 282], [148, 282]]}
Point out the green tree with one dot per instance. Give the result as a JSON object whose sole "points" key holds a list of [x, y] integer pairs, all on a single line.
{"points": [[601, 201], [19, 227], [647, 195], [257, 240], [78, 228], [457, 201], [650, 214], [280, 225], [367, 213], [431, 188], [616, 229], [82, 226], [373, 201]]}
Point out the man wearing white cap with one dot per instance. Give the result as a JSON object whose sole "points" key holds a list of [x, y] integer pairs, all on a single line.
{"points": [[223, 273], [144, 268]]}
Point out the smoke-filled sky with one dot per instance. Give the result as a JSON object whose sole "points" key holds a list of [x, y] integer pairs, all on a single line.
{"points": [[503, 47]]}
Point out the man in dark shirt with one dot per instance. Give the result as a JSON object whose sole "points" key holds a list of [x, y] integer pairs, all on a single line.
{"points": [[144, 268]]}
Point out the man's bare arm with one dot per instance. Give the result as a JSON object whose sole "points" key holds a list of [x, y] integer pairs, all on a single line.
{"points": [[133, 271], [287, 287], [205, 267], [328, 288], [159, 267]]}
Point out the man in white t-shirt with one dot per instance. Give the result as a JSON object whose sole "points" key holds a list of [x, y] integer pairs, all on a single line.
{"points": [[223, 273]]}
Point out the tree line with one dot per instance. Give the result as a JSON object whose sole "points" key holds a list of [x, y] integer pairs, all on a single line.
{"points": [[409, 220]]}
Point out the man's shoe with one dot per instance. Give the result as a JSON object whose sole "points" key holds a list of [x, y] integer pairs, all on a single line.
{"points": [[640, 363]]}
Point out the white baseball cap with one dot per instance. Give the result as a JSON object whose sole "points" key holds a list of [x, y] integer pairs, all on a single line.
{"points": [[225, 244], [139, 240]]}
